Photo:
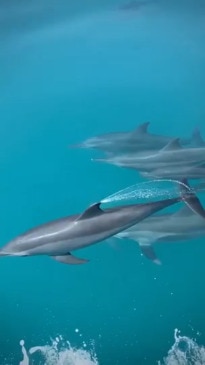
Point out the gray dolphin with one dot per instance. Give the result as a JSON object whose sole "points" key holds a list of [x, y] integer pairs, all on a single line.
{"points": [[137, 140], [165, 228], [176, 172], [58, 238], [172, 154]]}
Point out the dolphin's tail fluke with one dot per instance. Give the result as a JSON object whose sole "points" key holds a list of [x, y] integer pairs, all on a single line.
{"points": [[190, 198]]}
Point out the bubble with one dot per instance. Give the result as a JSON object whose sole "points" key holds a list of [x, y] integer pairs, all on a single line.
{"points": [[157, 188]]}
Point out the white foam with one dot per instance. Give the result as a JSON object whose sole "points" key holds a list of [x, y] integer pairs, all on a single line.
{"points": [[59, 352], [185, 351], [25, 360]]}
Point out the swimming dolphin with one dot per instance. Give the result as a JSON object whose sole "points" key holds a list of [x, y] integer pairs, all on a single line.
{"points": [[58, 238], [173, 171], [105, 140], [172, 154], [165, 228], [176, 172], [138, 140]]}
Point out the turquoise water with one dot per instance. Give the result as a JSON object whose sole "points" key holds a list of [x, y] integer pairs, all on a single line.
{"points": [[68, 72]]}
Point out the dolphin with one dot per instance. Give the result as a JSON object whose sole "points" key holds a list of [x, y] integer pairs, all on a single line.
{"points": [[107, 139], [132, 141], [176, 172], [172, 154], [165, 228], [60, 237]]}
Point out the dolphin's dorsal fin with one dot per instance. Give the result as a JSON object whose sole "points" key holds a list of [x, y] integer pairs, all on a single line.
{"points": [[174, 144], [197, 138], [92, 211], [142, 128]]}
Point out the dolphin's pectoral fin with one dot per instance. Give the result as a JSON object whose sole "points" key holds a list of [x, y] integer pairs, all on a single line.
{"points": [[148, 251], [69, 259]]}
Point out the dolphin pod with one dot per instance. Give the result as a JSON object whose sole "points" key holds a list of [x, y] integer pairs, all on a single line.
{"points": [[153, 154], [171, 157], [177, 159], [158, 157]]}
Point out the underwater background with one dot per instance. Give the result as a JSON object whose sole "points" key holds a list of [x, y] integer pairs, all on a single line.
{"points": [[68, 71]]}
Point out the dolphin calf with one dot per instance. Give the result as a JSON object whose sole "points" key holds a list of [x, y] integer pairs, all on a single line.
{"points": [[60, 237], [165, 228]]}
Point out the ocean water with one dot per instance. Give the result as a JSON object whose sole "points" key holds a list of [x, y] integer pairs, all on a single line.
{"points": [[71, 70]]}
